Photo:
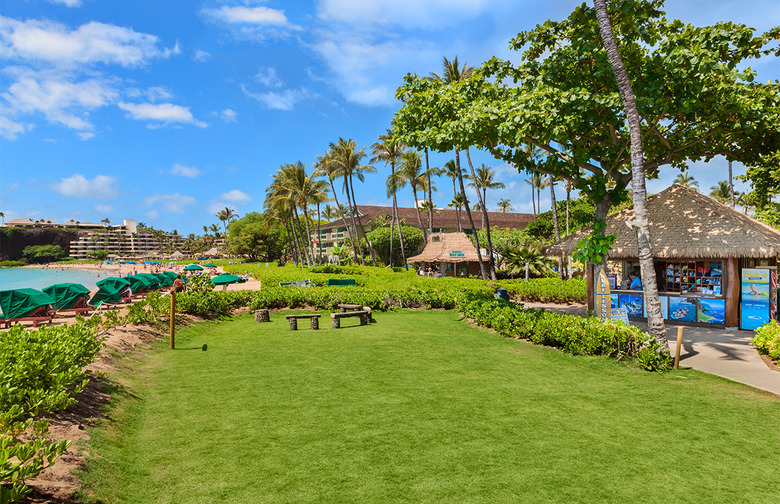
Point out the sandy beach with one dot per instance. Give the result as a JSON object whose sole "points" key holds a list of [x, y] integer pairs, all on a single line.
{"points": [[129, 269]]}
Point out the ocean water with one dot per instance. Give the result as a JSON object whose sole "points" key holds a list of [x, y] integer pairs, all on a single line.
{"points": [[39, 278]]}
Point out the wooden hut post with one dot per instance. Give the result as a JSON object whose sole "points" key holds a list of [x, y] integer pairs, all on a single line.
{"points": [[732, 292]]}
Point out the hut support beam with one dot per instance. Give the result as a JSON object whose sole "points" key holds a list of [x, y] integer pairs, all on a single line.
{"points": [[732, 292]]}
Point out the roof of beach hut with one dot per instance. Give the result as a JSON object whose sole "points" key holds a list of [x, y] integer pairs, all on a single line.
{"points": [[685, 224], [447, 247]]}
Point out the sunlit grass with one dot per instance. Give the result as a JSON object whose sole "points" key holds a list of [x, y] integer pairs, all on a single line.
{"points": [[420, 407]]}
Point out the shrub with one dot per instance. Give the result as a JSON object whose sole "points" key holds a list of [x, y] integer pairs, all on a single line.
{"points": [[40, 372], [767, 340], [570, 333]]}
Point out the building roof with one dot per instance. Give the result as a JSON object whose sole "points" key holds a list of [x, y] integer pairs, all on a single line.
{"points": [[447, 247], [442, 218], [686, 225]]}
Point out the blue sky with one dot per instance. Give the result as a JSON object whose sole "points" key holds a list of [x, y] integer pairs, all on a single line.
{"points": [[167, 111]]}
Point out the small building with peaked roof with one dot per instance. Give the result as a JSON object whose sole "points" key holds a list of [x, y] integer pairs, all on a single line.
{"points": [[450, 254], [706, 257]]}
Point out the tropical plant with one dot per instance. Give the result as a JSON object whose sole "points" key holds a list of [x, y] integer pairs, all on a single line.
{"points": [[721, 192], [516, 258], [390, 151], [412, 174], [226, 215], [504, 205], [687, 181]]}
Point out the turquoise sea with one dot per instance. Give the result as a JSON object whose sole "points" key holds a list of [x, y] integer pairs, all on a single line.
{"points": [[38, 278]]}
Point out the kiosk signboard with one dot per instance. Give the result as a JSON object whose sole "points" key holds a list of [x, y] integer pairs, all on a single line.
{"points": [[756, 299]]}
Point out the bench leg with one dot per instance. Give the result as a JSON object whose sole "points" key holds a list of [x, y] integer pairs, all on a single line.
{"points": [[336, 323], [363, 319], [293, 324], [315, 323]]}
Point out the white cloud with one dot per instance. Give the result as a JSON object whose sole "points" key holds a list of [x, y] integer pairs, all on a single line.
{"points": [[91, 43], [171, 203], [228, 115], [10, 129], [185, 171], [78, 186], [153, 214], [248, 15], [59, 96], [281, 100], [103, 208], [269, 78], [165, 113], [67, 3], [235, 196], [201, 56], [153, 93], [409, 13]]}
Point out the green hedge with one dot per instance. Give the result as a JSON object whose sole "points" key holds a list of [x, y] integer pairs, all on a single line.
{"points": [[570, 333], [767, 340]]}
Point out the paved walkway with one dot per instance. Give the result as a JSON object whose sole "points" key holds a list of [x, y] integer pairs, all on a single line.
{"points": [[712, 350]]}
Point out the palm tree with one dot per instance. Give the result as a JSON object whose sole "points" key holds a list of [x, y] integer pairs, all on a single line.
{"points": [[457, 202], [389, 151], [721, 192], [453, 73], [430, 172], [2, 216], [226, 216], [411, 173], [347, 157], [327, 167], [504, 205], [655, 320], [686, 181], [731, 186], [482, 181], [517, 258]]}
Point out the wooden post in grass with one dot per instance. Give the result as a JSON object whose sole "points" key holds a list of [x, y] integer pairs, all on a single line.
{"points": [[173, 319], [679, 345]]}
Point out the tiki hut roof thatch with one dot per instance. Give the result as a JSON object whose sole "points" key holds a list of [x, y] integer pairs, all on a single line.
{"points": [[447, 247], [686, 225], [177, 255]]}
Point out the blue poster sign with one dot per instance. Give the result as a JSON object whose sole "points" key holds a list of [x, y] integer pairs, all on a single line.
{"points": [[755, 298]]}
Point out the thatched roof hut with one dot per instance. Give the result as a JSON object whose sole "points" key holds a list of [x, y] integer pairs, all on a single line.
{"points": [[686, 224], [447, 247], [177, 255]]}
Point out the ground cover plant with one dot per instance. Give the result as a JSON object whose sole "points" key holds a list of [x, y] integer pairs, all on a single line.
{"points": [[767, 340], [40, 372], [420, 407]]}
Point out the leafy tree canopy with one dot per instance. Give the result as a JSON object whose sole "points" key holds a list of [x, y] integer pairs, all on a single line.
{"points": [[695, 97], [253, 236], [43, 253]]}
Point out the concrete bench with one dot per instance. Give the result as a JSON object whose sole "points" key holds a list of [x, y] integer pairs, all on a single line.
{"points": [[314, 317], [352, 307], [362, 314]]}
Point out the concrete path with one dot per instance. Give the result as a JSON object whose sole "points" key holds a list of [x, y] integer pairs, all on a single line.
{"points": [[711, 350]]}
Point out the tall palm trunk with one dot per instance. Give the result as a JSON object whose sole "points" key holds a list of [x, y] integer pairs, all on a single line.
{"points": [[482, 268], [340, 208], [309, 241], [430, 194], [655, 320], [555, 224], [319, 235], [457, 208], [416, 206], [392, 224], [400, 234], [360, 223], [297, 226], [297, 254], [485, 222], [568, 200], [731, 186], [353, 231]]}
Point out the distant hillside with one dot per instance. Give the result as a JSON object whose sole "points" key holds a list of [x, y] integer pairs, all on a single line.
{"points": [[14, 240]]}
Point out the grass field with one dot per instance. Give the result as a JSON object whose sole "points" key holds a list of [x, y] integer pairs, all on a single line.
{"points": [[420, 407]]}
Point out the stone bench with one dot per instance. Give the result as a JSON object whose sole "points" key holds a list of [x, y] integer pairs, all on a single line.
{"points": [[352, 307], [314, 317], [362, 314]]}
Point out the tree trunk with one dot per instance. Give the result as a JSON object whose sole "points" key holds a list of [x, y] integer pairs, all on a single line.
{"points": [[304, 244], [319, 235], [355, 236], [655, 320], [430, 194], [392, 223], [485, 222], [483, 270], [297, 254], [555, 225], [360, 223], [400, 234], [419, 219], [309, 241], [340, 209], [568, 199], [731, 186]]}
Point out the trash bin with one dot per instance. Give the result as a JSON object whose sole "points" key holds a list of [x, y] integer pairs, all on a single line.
{"points": [[502, 294]]}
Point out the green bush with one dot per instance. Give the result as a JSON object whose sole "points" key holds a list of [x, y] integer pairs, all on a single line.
{"points": [[570, 333], [767, 340], [10, 264], [40, 372]]}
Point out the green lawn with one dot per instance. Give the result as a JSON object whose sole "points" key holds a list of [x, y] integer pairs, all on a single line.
{"points": [[420, 407]]}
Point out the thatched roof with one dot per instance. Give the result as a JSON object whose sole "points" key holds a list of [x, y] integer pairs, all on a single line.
{"points": [[447, 247], [177, 255], [686, 225]]}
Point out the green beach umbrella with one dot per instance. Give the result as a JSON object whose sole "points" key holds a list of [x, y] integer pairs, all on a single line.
{"points": [[66, 295], [210, 265], [170, 274], [193, 267], [165, 280], [225, 279], [138, 282], [154, 282], [17, 303]]}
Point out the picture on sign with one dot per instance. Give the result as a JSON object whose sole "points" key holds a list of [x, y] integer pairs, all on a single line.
{"points": [[620, 314]]}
